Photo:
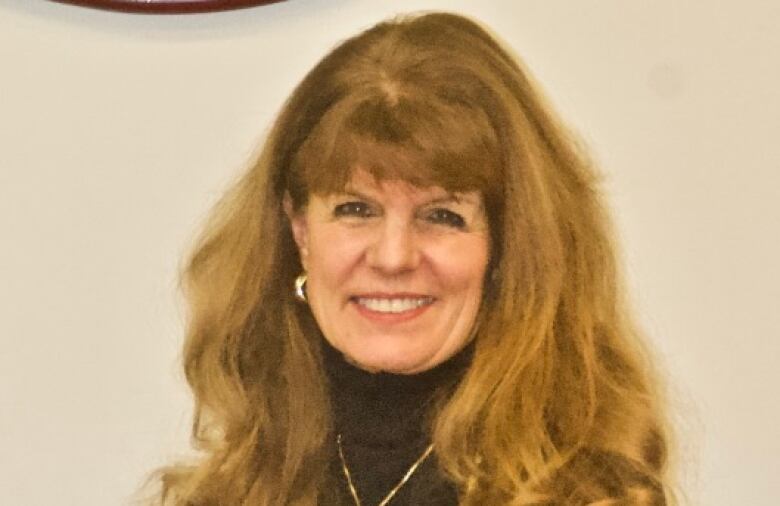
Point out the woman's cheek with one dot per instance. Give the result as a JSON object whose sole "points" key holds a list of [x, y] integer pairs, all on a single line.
{"points": [[458, 260], [340, 250]]}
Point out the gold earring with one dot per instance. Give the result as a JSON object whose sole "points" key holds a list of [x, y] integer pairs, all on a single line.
{"points": [[300, 287]]}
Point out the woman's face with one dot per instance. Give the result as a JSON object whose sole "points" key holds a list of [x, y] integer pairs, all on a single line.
{"points": [[395, 272]]}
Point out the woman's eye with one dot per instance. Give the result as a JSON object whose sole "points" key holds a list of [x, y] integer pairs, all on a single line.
{"points": [[446, 217], [359, 209]]}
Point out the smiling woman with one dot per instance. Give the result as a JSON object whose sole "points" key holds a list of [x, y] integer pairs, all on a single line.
{"points": [[411, 298], [395, 272]]}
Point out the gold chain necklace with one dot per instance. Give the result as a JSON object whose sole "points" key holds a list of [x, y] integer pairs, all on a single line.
{"points": [[395, 489]]}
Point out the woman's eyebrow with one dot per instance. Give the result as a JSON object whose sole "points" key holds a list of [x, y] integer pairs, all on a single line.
{"points": [[349, 192], [457, 198], [449, 198]]}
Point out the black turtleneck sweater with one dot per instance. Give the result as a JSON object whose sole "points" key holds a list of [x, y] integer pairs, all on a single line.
{"points": [[383, 422]]}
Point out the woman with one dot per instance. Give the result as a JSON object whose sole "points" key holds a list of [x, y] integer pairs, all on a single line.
{"points": [[411, 298]]}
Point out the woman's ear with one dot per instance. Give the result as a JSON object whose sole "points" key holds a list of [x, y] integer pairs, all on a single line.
{"points": [[298, 226]]}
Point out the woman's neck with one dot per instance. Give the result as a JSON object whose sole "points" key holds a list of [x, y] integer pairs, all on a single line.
{"points": [[383, 409]]}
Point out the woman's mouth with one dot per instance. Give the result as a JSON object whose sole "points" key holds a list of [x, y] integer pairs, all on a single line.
{"points": [[392, 309], [392, 305]]}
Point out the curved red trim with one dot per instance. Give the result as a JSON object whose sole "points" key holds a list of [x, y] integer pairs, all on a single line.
{"points": [[168, 6]]}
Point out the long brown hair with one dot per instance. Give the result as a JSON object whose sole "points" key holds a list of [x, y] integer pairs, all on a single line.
{"points": [[558, 406]]}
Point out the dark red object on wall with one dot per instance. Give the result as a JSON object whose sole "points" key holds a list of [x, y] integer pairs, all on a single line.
{"points": [[169, 6]]}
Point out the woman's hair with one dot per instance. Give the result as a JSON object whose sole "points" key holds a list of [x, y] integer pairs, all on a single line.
{"points": [[558, 407]]}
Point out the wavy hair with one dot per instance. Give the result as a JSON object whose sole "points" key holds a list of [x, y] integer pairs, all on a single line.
{"points": [[559, 405]]}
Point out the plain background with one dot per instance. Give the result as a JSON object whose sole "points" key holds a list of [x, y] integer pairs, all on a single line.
{"points": [[119, 131]]}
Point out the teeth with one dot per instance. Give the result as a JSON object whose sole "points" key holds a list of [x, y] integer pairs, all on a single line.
{"points": [[393, 305]]}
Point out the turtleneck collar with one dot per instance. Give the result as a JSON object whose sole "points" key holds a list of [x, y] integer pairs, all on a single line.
{"points": [[384, 409]]}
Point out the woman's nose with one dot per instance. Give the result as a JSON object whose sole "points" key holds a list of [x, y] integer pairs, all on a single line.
{"points": [[395, 248]]}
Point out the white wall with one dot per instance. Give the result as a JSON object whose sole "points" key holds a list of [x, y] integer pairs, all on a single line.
{"points": [[118, 131]]}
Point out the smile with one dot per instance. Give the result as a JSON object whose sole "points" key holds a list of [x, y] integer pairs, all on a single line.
{"points": [[393, 305]]}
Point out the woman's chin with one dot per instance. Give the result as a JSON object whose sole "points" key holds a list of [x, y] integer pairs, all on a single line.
{"points": [[392, 363]]}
